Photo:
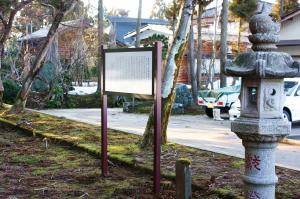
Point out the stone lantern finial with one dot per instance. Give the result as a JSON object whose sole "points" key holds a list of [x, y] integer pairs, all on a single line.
{"points": [[263, 61], [265, 32]]}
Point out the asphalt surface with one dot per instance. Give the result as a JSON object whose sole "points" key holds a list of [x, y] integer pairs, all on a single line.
{"points": [[197, 131]]}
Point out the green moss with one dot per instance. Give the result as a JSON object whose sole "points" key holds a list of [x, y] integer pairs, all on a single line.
{"points": [[238, 164], [122, 158], [123, 148], [26, 159], [40, 171], [90, 147], [185, 161], [225, 192]]}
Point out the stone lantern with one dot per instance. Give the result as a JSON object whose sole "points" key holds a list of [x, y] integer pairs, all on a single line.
{"points": [[261, 125]]}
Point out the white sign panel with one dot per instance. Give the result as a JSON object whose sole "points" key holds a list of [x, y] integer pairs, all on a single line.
{"points": [[129, 72]]}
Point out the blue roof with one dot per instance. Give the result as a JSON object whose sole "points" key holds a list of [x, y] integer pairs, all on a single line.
{"points": [[124, 25]]}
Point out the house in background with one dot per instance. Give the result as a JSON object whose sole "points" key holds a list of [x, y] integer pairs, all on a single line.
{"points": [[121, 29], [69, 47], [290, 34], [67, 33], [148, 31]]}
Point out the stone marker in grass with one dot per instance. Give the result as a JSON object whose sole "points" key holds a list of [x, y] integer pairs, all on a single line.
{"points": [[183, 179]]}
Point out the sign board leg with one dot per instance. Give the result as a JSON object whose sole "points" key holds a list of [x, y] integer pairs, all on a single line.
{"points": [[104, 158], [157, 120]]}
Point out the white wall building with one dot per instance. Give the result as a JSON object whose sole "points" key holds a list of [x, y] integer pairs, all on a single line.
{"points": [[290, 34]]}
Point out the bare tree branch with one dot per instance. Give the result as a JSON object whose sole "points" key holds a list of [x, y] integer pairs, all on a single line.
{"points": [[2, 19]]}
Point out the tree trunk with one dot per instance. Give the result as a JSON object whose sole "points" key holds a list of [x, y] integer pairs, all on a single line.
{"points": [[138, 25], [148, 136], [213, 61], [199, 46], [21, 99], [239, 36], [170, 74], [6, 30], [281, 8], [238, 47], [192, 66], [224, 23], [100, 41], [7, 25], [1, 83]]}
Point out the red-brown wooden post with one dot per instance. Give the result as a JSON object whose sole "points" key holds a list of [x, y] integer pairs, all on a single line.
{"points": [[104, 157], [157, 119]]}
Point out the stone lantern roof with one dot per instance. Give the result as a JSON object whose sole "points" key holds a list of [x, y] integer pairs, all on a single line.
{"points": [[263, 62]]}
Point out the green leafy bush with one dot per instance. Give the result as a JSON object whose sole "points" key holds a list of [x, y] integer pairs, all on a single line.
{"points": [[11, 89], [57, 97]]}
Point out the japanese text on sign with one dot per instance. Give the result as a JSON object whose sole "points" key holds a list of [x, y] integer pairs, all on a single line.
{"points": [[129, 72]]}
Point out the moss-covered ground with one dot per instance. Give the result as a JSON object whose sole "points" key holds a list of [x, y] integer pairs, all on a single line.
{"points": [[29, 169], [213, 174]]}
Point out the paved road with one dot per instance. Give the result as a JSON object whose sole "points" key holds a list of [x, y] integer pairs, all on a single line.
{"points": [[196, 131]]}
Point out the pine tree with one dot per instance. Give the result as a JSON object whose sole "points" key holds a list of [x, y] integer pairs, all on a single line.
{"points": [[242, 10], [172, 12]]}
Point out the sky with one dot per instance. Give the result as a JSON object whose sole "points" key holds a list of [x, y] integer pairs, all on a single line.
{"points": [[131, 5]]}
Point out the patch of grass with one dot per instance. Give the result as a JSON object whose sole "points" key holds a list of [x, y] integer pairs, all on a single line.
{"points": [[40, 171], [127, 160], [225, 193], [238, 164], [26, 159]]}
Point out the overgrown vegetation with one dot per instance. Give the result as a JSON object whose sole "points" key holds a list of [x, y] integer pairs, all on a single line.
{"points": [[212, 173], [11, 89]]}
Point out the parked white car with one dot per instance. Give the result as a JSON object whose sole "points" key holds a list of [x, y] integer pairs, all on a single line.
{"points": [[291, 110]]}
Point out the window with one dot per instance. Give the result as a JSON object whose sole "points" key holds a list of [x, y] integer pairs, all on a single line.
{"points": [[298, 92], [289, 87]]}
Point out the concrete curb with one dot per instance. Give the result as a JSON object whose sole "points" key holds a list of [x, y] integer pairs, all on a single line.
{"points": [[290, 142]]}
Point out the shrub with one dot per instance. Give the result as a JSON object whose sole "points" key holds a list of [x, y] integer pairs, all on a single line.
{"points": [[11, 89], [57, 97]]}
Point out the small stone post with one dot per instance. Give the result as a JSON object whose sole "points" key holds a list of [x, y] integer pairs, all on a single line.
{"points": [[261, 125], [217, 114], [183, 179]]}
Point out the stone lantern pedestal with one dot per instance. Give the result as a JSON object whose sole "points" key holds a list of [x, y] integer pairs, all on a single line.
{"points": [[261, 125]]}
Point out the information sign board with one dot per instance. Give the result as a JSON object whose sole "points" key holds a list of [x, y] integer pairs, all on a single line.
{"points": [[129, 71], [136, 72]]}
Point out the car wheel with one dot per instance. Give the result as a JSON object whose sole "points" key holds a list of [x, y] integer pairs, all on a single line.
{"points": [[209, 112], [287, 116]]}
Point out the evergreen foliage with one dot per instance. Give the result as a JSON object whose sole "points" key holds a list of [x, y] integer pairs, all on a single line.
{"points": [[150, 42], [11, 89], [243, 9]]}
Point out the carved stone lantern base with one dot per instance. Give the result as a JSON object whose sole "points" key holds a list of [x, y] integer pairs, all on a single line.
{"points": [[260, 139]]}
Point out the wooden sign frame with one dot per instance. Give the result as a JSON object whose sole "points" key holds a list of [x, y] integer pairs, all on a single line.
{"points": [[156, 95], [130, 50]]}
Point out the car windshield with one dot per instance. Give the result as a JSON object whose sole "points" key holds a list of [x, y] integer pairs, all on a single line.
{"points": [[289, 87]]}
